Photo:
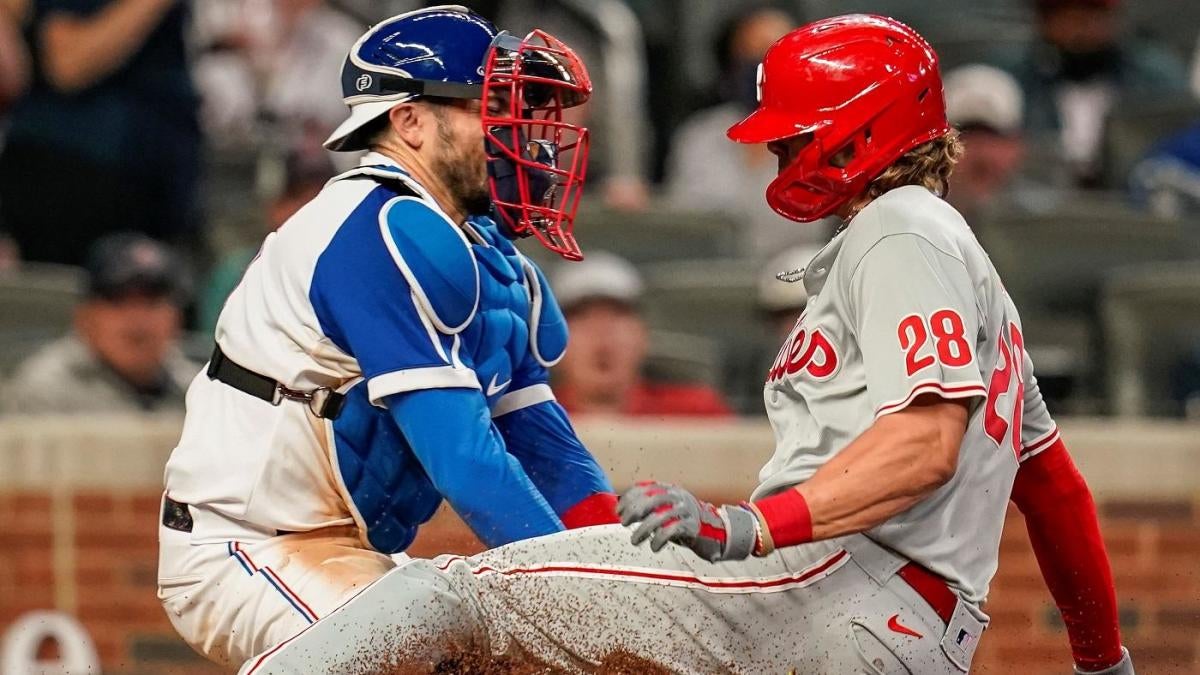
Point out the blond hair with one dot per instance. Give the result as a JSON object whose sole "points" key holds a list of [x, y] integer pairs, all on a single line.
{"points": [[928, 165]]}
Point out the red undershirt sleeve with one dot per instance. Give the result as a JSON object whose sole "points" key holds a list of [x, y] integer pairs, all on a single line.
{"points": [[1060, 516]]}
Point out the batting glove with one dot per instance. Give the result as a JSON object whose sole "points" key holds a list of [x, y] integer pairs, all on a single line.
{"points": [[668, 513], [1122, 667]]}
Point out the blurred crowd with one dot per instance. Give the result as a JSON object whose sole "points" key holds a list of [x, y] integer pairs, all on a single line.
{"points": [[152, 143]]}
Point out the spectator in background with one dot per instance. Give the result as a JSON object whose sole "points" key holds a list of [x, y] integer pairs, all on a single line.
{"points": [[1167, 179], [14, 79], [107, 137], [1078, 68], [985, 104], [122, 355], [602, 371], [14, 56], [305, 172], [275, 61], [708, 172]]}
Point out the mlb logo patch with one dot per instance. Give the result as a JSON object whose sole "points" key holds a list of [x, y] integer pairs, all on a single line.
{"points": [[964, 638]]}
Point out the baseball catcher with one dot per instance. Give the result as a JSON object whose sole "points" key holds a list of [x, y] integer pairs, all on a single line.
{"points": [[388, 348]]}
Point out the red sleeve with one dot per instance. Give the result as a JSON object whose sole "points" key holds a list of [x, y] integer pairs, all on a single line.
{"points": [[596, 509], [1061, 518]]}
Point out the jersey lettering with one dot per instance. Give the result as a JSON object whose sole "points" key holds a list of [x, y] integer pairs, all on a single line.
{"points": [[913, 336], [810, 352], [949, 337], [952, 346], [1011, 363]]}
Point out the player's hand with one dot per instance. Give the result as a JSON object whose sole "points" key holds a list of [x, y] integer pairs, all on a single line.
{"points": [[1122, 667], [668, 513]]}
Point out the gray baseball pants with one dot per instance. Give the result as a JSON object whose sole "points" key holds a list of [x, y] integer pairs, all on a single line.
{"points": [[572, 599]]}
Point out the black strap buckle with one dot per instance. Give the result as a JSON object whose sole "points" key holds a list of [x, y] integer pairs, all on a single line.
{"points": [[322, 401]]}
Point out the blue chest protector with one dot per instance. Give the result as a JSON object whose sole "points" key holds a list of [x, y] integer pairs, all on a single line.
{"points": [[468, 316]]}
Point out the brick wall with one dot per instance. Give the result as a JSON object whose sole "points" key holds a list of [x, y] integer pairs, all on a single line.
{"points": [[93, 554]]}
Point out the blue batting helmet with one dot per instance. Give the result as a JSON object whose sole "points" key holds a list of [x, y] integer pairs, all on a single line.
{"points": [[438, 51]]}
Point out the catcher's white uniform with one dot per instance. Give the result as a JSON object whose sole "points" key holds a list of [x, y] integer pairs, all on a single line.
{"points": [[903, 302]]}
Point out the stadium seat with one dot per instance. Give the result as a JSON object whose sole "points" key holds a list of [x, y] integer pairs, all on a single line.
{"points": [[714, 300], [655, 235], [680, 357], [37, 304], [1135, 126], [1151, 318], [1057, 259], [1053, 264]]}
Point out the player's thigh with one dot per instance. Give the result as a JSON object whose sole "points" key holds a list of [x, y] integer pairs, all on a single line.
{"points": [[251, 596], [407, 621], [575, 598], [227, 614], [326, 567], [855, 639], [878, 630]]}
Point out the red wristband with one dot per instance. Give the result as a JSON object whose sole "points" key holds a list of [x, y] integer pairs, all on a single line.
{"points": [[786, 518]]}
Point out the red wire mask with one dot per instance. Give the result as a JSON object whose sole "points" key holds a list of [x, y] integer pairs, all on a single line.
{"points": [[536, 161]]}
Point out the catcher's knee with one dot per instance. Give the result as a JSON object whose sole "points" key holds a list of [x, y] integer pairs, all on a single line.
{"points": [[412, 616]]}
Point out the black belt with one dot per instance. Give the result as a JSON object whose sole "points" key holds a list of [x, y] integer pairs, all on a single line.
{"points": [[322, 401]]}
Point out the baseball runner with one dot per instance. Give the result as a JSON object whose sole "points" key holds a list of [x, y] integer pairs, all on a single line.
{"points": [[389, 346], [906, 416]]}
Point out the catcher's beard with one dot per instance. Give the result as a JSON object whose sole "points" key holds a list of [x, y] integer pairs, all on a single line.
{"points": [[464, 171]]}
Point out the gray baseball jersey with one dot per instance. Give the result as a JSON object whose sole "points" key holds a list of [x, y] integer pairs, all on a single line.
{"points": [[905, 302]]}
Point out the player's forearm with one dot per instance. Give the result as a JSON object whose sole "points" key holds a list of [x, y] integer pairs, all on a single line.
{"points": [[451, 434], [499, 503], [1054, 498], [542, 439], [915, 450], [848, 495], [77, 52]]}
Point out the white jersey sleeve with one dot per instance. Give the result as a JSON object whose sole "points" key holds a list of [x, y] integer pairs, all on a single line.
{"points": [[1038, 430], [914, 313]]}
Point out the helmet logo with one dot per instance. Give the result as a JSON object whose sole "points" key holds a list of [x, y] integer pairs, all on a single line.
{"points": [[762, 77], [364, 82]]}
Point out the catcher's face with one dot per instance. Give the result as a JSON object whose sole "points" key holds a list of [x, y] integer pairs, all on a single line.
{"points": [[459, 158]]}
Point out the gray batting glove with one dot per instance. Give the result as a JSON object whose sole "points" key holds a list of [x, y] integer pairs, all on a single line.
{"points": [[1123, 667], [668, 513]]}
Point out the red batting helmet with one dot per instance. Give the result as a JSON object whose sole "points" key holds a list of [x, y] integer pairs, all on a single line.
{"points": [[864, 83]]}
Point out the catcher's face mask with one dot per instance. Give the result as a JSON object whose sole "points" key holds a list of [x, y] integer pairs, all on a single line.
{"points": [[536, 161]]}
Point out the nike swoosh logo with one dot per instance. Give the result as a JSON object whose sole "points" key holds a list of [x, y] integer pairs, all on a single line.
{"points": [[494, 388], [894, 624]]}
